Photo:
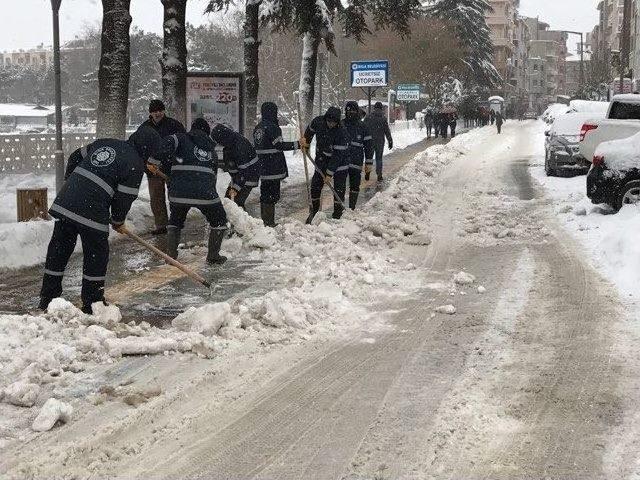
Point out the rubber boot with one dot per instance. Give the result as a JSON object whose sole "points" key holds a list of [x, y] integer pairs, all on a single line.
{"points": [[380, 178], [268, 214], [315, 207], [338, 210], [173, 240], [215, 242], [353, 200], [44, 303]]}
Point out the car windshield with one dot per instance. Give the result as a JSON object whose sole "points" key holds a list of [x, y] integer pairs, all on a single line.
{"points": [[625, 111]]}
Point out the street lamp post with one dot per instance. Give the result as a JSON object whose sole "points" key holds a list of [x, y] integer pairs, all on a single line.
{"points": [[59, 155]]}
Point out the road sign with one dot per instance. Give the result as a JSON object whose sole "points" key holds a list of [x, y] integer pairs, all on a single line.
{"points": [[373, 73], [408, 92]]}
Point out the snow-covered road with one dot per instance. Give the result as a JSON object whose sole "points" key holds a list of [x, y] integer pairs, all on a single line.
{"points": [[528, 372]]}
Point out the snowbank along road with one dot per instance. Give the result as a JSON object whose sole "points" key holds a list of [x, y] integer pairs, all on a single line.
{"points": [[449, 329]]}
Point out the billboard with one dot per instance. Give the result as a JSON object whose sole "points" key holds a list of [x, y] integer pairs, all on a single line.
{"points": [[408, 92], [370, 73], [216, 97]]}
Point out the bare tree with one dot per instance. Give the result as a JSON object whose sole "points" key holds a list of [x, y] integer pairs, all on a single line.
{"points": [[174, 58], [251, 54], [114, 70]]}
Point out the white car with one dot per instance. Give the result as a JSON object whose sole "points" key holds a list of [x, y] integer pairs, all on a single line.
{"points": [[622, 121]]}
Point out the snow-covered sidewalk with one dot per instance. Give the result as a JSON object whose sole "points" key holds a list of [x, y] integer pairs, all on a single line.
{"points": [[332, 271], [25, 244]]}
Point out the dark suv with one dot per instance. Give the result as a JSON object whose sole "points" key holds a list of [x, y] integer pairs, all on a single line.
{"points": [[612, 183]]}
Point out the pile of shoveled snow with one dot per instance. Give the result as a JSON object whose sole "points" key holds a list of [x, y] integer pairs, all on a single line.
{"points": [[326, 274]]}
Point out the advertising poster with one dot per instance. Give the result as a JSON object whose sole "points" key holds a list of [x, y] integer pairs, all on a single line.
{"points": [[216, 97]]}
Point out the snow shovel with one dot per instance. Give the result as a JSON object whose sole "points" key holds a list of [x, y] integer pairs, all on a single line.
{"points": [[326, 180], [157, 172], [123, 230], [304, 153]]}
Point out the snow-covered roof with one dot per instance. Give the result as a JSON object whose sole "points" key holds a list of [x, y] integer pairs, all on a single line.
{"points": [[623, 154], [589, 106], [24, 110], [627, 97], [496, 98]]}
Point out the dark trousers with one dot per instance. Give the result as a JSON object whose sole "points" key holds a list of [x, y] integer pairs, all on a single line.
{"points": [[270, 191], [499, 125], [443, 130], [453, 128], [429, 128], [95, 250], [339, 185], [379, 151], [158, 199], [355, 178], [214, 214]]}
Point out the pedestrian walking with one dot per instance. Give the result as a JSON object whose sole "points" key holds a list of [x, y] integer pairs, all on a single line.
{"points": [[428, 122], [270, 146], [453, 123], [165, 126], [492, 116], [332, 161], [379, 128], [192, 184], [499, 121], [360, 151], [444, 124], [102, 180], [241, 161]]}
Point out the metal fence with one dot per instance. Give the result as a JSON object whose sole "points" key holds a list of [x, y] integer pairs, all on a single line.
{"points": [[30, 153], [35, 153]]}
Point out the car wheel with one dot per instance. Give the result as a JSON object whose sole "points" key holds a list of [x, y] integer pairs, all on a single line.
{"points": [[629, 194]]}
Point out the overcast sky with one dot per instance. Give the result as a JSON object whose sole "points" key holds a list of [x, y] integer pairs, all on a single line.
{"points": [[27, 23]]}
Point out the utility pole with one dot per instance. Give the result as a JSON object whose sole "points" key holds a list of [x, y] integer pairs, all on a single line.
{"points": [[59, 154], [625, 42]]}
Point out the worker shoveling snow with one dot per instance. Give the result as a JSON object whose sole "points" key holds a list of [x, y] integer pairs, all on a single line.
{"points": [[330, 271]]}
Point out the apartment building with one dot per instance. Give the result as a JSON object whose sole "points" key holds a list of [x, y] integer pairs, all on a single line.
{"points": [[38, 58], [502, 22]]}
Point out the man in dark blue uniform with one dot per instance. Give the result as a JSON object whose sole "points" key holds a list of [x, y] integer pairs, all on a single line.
{"points": [[192, 184], [102, 181], [165, 126], [270, 146], [331, 158], [241, 162], [360, 149]]}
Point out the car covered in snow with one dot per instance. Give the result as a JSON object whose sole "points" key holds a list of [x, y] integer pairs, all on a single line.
{"points": [[562, 146], [554, 110], [614, 177], [530, 115]]}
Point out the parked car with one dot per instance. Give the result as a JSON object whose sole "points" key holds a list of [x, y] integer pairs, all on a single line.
{"points": [[562, 145], [554, 110], [589, 106], [622, 121], [614, 177], [530, 115]]}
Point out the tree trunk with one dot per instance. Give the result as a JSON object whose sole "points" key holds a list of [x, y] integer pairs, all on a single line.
{"points": [[311, 44], [114, 71], [174, 59], [251, 62]]}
